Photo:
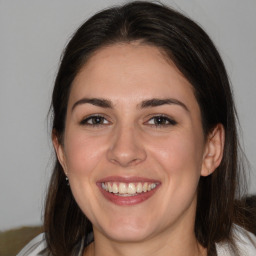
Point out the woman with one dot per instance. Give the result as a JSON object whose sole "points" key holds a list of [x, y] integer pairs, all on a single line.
{"points": [[144, 130]]}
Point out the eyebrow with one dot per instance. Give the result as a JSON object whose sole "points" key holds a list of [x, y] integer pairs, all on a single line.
{"points": [[103, 103], [159, 102], [155, 102]]}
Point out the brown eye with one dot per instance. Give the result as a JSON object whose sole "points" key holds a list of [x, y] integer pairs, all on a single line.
{"points": [[94, 120], [161, 121]]}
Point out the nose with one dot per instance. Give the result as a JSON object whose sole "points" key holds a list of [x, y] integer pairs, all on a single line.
{"points": [[126, 148]]}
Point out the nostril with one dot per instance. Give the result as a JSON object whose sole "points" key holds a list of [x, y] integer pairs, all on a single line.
{"points": [[126, 159]]}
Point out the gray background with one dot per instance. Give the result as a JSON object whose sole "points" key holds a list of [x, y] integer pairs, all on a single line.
{"points": [[33, 34]]}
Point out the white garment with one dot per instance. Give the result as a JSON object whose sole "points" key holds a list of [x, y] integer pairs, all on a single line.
{"points": [[38, 247], [34, 247], [246, 243]]}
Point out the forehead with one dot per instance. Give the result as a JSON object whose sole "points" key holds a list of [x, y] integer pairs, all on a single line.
{"points": [[130, 71]]}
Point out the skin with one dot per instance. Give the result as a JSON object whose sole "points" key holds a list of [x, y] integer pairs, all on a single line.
{"points": [[128, 142]]}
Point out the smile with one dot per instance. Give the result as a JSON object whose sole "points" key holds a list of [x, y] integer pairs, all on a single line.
{"points": [[128, 189]]}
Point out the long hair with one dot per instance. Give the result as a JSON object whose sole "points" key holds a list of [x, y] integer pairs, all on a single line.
{"points": [[195, 55]]}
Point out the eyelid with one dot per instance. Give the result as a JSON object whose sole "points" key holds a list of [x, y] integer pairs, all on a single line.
{"points": [[171, 120], [85, 120]]}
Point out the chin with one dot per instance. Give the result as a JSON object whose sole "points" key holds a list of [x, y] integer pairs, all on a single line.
{"points": [[128, 231]]}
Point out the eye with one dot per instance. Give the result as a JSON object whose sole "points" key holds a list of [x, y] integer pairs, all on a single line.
{"points": [[95, 120], [161, 120]]}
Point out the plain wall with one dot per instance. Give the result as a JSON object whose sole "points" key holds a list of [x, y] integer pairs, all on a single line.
{"points": [[33, 34]]}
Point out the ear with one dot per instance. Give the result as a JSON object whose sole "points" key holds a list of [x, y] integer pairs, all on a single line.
{"points": [[59, 151], [213, 150]]}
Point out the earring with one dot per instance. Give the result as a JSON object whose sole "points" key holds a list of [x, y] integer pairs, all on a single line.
{"points": [[67, 181]]}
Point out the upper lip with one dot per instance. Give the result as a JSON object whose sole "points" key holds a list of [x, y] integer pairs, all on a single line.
{"points": [[127, 179]]}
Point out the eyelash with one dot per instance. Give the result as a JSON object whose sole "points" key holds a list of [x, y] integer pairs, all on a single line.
{"points": [[89, 121], [168, 121]]}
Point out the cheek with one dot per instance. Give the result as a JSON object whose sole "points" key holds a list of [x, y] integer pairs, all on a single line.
{"points": [[83, 153], [180, 159], [178, 152], [83, 157]]}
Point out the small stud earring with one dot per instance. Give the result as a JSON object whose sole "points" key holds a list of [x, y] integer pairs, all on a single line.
{"points": [[67, 180]]}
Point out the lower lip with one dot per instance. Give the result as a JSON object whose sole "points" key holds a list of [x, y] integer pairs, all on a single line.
{"points": [[127, 200]]}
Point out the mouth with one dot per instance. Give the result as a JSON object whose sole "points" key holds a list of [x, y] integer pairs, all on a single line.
{"points": [[127, 192], [128, 189]]}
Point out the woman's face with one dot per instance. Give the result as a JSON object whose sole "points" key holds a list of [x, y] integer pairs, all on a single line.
{"points": [[133, 146]]}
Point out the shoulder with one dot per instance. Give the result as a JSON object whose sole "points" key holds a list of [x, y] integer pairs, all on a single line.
{"points": [[35, 247], [245, 242], [38, 247]]}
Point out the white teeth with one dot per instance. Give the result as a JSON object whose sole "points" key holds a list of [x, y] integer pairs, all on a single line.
{"points": [[139, 188], [131, 189], [145, 187], [109, 187], [153, 185], [124, 189], [115, 188]]}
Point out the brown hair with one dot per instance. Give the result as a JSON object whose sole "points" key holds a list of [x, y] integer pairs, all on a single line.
{"points": [[190, 48]]}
